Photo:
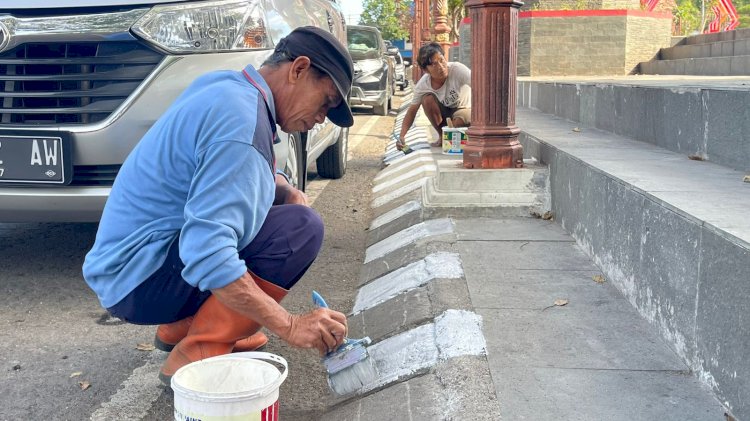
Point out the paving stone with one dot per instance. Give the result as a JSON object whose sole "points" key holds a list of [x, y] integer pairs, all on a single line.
{"points": [[539, 393], [536, 289], [609, 336], [522, 255], [492, 229]]}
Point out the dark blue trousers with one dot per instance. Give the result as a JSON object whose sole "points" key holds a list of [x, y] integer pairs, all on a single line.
{"points": [[285, 247]]}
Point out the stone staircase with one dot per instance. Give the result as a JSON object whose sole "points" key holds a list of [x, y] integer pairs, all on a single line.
{"points": [[647, 174], [717, 54]]}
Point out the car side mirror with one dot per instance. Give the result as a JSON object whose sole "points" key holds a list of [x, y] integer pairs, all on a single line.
{"points": [[392, 51]]}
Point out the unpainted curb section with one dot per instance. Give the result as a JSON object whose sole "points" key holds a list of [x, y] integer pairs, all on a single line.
{"points": [[413, 302]]}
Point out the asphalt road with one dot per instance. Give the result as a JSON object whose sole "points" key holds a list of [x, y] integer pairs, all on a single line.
{"points": [[62, 357]]}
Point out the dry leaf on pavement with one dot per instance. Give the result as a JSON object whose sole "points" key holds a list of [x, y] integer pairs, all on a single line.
{"points": [[84, 385], [599, 279], [145, 347], [558, 303], [76, 374]]}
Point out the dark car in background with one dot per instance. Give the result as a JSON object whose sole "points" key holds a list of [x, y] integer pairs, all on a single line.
{"points": [[374, 82], [84, 80]]}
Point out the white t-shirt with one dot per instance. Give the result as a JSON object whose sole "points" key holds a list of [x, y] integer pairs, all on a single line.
{"points": [[455, 92]]}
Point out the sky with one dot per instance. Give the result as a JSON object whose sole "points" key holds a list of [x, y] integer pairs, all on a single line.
{"points": [[352, 9]]}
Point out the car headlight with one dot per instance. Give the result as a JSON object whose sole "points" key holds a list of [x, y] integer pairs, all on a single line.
{"points": [[205, 26]]}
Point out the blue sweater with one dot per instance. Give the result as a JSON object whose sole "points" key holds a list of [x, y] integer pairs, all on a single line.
{"points": [[203, 172]]}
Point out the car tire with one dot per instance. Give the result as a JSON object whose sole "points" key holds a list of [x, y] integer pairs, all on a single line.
{"points": [[332, 163], [295, 165]]}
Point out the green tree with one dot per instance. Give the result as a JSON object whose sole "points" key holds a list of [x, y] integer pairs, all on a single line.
{"points": [[743, 12], [687, 17], [456, 13], [386, 15]]}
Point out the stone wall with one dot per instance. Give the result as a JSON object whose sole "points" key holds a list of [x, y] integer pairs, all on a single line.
{"points": [[583, 42], [642, 37], [523, 64], [577, 45]]}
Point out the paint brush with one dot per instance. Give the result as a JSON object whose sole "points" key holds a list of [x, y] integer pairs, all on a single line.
{"points": [[349, 366]]}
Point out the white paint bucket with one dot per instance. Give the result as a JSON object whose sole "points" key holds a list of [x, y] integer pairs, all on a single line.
{"points": [[239, 386]]}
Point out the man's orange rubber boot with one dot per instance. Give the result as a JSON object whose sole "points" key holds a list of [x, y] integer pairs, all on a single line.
{"points": [[169, 335], [214, 330]]}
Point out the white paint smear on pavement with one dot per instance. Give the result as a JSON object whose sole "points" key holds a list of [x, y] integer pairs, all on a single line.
{"points": [[395, 194], [422, 170], [410, 235], [398, 167], [395, 213], [441, 265], [136, 395], [459, 332], [455, 333]]}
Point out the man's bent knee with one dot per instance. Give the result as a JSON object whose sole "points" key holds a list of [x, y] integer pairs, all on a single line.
{"points": [[462, 117], [286, 245]]}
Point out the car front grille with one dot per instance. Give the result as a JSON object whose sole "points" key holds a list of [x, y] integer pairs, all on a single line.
{"points": [[94, 175], [70, 83]]}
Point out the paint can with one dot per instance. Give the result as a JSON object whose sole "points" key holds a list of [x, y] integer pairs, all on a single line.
{"points": [[454, 140], [242, 385]]}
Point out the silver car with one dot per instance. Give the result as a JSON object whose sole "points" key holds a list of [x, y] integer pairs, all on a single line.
{"points": [[83, 80]]}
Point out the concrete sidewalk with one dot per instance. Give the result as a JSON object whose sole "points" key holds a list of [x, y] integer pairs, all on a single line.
{"points": [[480, 310]]}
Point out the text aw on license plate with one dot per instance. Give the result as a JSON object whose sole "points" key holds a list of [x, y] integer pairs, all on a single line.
{"points": [[35, 159]]}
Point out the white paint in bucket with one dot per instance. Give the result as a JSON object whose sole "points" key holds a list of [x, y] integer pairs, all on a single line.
{"points": [[233, 387]]}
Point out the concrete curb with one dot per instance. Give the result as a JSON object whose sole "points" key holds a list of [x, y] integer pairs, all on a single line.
{"points": [[414, 303]]}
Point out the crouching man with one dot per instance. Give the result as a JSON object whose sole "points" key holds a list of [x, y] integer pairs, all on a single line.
{"points": [[200, 234], [444, 91]]}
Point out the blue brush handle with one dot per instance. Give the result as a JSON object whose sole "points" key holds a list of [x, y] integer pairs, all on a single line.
{"points": [[318, 300]]}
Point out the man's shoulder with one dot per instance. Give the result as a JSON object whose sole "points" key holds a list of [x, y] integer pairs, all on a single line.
{"points": [[457, 65], [423, 84]]}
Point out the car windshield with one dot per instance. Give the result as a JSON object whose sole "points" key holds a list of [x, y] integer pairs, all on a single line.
{"points": [[363, 44]]}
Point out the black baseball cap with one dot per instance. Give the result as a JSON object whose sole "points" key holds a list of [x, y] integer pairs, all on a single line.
{"points": [[327, 54]]}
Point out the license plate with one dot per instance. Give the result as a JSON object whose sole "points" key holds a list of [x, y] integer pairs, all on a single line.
{"points": [[35, 159]]}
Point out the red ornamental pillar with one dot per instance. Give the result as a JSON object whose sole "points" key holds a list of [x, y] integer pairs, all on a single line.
{"points": [[416, 40], [493, 134], [441, 29]]}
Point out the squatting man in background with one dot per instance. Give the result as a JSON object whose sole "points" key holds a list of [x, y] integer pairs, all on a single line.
{"points": [[200, 233], [444, 91]]}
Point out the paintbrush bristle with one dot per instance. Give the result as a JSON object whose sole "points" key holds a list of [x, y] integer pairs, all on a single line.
{"points": [[353, 377], [349, 367], [350, 352]]}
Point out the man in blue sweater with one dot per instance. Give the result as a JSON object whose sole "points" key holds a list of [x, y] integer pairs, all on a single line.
{"points": [[200, 234]]}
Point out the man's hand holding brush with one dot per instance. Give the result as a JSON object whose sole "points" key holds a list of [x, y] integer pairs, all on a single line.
{"points": [[322, 328]]}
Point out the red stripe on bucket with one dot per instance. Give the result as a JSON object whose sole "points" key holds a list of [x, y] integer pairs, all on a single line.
{"points": [[271, 413]]}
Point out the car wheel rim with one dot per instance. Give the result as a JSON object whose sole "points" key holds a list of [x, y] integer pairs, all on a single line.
{"points": [[291, 161]]}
